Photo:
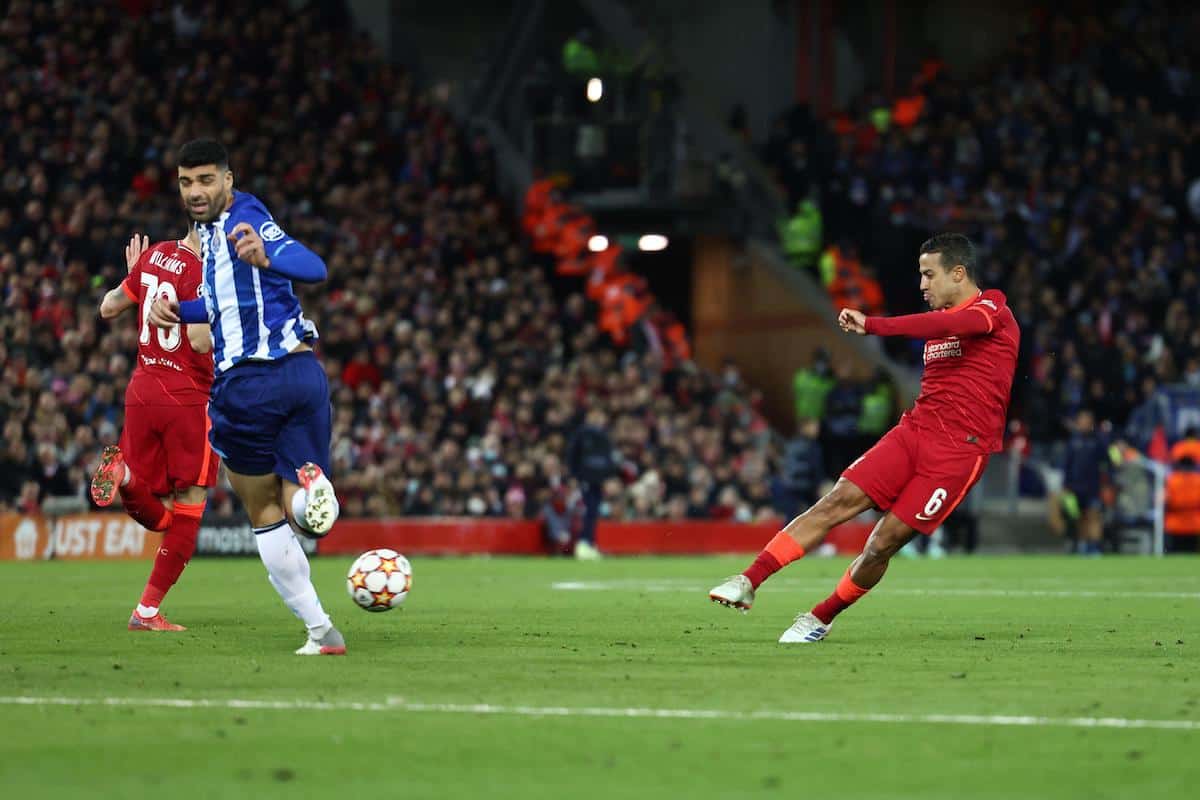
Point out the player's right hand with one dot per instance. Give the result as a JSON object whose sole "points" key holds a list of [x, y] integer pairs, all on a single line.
{"points": [[164, 313], [133, 251], [853, 321]]}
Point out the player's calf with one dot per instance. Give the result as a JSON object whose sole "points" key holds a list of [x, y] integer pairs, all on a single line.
{"points": [[315, 507]]}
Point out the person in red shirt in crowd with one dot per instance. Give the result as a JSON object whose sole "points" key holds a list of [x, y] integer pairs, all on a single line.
{"points": [[361, 370], [922, 469]]}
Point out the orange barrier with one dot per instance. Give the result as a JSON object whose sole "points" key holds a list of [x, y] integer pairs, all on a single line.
{"points": [[100, 536], [699, 537], [524, 537], [426, 536], [77, 537]]}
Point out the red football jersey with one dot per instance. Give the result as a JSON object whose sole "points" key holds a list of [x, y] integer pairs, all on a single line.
{"points": [[970, 359], [168, 371]]}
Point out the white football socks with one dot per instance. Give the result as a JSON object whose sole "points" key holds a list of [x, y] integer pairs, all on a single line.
{"points": [[289, 572], [147, 612]]}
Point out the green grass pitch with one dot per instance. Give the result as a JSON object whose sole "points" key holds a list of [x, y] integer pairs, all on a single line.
{"points": [[592, 674]]}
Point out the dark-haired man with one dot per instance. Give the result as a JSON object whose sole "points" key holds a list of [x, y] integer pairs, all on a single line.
{"points": [[923, 467], [270, 413]]}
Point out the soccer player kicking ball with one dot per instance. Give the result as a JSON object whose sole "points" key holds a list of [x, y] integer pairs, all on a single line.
{"points": [[270, 413], [922, 468], [163, 466]]}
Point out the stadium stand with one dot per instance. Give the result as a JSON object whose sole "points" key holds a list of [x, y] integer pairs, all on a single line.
{"points": [[457, 374], [1069, 161]]}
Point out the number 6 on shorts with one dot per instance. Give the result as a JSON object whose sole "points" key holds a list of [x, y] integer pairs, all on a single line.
{"points": [[935, 502]]}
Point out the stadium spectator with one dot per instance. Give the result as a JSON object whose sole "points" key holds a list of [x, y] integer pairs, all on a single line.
{"points": [[1085, 467], [843, 407], [802, 472], [1182, 521], [591, 461], [810, 387]]}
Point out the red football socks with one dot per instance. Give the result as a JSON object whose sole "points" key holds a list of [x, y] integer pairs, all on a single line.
{"points": [[145, 508], [779, 552], [845, 595], [178, 544]]}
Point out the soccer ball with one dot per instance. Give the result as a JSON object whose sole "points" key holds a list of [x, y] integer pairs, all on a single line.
{"points": [[379, 580]]}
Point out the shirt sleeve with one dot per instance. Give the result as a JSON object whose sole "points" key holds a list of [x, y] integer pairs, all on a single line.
{"points": [[131, 286], [977, 319], [288, 257]]}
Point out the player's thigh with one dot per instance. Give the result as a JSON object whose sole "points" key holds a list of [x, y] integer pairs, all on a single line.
{"points": [[190, 458], [306, 433], [883, 471], [842, 503], [247, 410], [143, 448], [192, 495], [941, 482]]}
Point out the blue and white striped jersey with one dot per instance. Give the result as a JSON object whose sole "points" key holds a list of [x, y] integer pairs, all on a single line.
{"points": [[253, 312]]}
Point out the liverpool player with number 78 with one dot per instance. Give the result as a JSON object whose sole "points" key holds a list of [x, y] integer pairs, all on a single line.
{"points": [[923, 467], [164, 465]]}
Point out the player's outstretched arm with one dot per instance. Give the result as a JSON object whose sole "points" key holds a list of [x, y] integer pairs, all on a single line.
{"points": [[288, 257], [970, 321], [117, 301]]}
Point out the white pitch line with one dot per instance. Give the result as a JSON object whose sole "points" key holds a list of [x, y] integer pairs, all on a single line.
{"points": [[399, 704], [671, 586]]}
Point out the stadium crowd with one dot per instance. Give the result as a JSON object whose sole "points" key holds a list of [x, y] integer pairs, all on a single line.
{"points": [[458, 374], [1073, 163]]}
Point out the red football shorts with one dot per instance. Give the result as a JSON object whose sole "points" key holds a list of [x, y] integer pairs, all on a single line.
{"points": [[167, 446], [916, 476]]}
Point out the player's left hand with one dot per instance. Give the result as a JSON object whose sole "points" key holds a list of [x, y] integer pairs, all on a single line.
{"points": [[133, 251], [853, 321], [249, 246]]}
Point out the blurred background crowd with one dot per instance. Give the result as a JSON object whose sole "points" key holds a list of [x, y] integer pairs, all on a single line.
{"points": [[458, 374], [468, 356], [1074, 158]]}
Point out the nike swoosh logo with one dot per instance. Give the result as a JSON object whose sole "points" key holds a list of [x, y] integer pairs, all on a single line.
{"points": [[923, 518]]}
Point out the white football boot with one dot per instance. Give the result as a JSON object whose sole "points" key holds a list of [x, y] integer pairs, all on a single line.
{"points": [[586, 551], [805, 630], [331, 644], [735, 592], [321, 505]]}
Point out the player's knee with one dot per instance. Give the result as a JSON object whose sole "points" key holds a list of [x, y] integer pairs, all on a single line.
{"points": [[885, 542]]}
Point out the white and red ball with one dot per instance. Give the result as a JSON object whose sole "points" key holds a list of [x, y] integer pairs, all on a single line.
{"points": [[379, 580]]}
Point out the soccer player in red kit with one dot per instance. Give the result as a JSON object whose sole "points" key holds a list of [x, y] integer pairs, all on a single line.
{"points": [[922, 468], [164, 463]]}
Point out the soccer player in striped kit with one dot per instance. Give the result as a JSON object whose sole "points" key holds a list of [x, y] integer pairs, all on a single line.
{"points": [[270, 411]]}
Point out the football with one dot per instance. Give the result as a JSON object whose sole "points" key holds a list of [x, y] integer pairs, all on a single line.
{"points": [[379, 580]]}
